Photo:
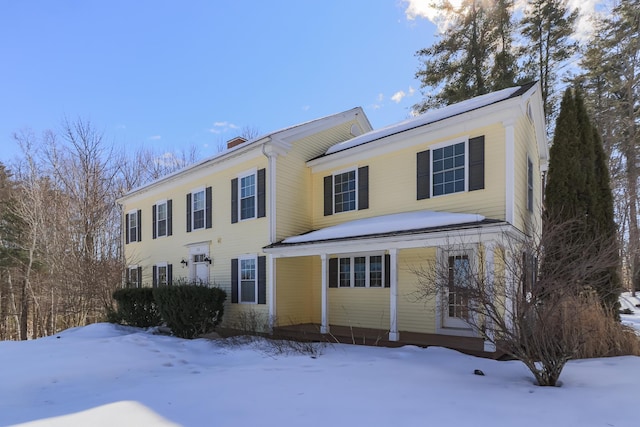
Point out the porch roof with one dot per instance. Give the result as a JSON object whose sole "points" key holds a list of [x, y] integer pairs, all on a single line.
{"points": [[401, 226]]}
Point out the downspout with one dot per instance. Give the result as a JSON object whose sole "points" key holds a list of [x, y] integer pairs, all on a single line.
{"points": [[271, 156]]}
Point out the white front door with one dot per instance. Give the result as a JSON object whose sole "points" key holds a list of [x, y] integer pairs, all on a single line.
{"points": [[199, 263], [201, 268]]}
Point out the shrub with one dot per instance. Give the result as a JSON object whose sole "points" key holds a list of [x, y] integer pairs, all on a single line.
{"points": [[136, 307], [190, 310]]}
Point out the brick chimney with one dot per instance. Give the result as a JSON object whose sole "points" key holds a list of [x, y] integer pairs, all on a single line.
{"points": [[235, 141]]}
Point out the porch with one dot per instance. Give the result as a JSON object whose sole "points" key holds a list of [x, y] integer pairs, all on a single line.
{"points": [[378, 337]]}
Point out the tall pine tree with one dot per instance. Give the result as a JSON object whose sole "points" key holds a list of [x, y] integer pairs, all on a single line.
{"points": [[578, 198], [473, 56], [547, 27]]}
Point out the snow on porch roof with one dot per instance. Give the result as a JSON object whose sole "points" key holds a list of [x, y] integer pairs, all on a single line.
{"points": [[433, 116], [386, 224]]}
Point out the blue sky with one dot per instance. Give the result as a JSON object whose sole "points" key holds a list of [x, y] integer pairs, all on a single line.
{"points": [[173, 74]]}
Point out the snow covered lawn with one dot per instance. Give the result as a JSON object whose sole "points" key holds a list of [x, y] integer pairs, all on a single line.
{"points": [[147, 379]]}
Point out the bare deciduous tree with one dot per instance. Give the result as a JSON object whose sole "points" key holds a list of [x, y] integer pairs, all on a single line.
{"points": [[543, 320]]}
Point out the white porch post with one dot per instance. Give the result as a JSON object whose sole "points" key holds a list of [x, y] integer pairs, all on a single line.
{"points": [[489, 266], [271, 284], [324, 326], [508, 294], [393, 296]]}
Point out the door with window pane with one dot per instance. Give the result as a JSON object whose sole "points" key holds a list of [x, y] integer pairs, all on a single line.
{"points": [[456, 300]]}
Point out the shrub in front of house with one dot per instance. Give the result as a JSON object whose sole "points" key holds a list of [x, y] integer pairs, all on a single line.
{"points": [[136, 307], [190, 310]]}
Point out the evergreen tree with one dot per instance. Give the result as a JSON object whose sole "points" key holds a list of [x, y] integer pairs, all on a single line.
{"points": [[547, 26], [578, 195], [473, 56], [612, 82]]}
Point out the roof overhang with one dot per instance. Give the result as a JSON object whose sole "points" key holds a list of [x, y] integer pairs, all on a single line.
{"points": [[460, 234]]}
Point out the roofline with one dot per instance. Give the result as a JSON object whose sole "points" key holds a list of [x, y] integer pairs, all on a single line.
{"points": [[357, 113], [523, 89]]}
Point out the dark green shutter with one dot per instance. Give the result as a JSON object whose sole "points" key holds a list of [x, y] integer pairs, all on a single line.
{"points": [[261, 194], [155, 276], [126, 230], [188, 212], [476, 163], [139, 284], [234, 200], [169, 274], [154, 217], [363, 188], [262, 280], [127, 279], [139, 225], [169, 217], [387, 271], [333, 272], [234, 280], [423, 178], [207, 213], [328, 195]]}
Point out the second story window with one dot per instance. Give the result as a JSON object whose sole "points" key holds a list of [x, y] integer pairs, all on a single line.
{"points": [[199, 214], [529, 185], [162, 218], [346, 191], [248, 192], [198, 209], [449, 169], [248, 197], [133, 225]]}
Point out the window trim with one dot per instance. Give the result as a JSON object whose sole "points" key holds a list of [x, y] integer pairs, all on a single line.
{"points": [[333, 189], [166, 219], [255, 267], [204, 208], [138, 282], [245, 174], [158, 266], [530, 185], [451, 142], [133, 214], [367, 257]]}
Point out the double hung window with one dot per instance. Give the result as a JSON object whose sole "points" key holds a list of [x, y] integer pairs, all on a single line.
{"points": [[361, 272], [198, 205]]}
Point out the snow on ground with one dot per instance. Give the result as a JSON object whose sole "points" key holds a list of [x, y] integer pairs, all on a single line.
{"points": [[105, 375]]}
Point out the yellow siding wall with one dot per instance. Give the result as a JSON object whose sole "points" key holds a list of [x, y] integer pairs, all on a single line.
{"points": [[392, 183], [225, 240], [294, 180], [414, 315], [359, 307], [526, 145], [294, 290]]}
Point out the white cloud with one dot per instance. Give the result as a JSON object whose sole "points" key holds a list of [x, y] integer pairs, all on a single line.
{"points": [[305, 108], [221, 127], [380, 97], [397, 97], [427, 9], [411, 91], [155, 137]]}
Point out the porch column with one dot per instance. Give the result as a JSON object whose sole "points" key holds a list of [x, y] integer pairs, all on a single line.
{"points": [[393, 295], [489, 268], [271, 290], [324, 326]]}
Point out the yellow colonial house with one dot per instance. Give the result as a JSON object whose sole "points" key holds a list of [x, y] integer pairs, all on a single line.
{"points": [[320, 226]]}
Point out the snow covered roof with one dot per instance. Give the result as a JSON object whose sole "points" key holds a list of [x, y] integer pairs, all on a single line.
{"points": [[385, 224], [433, 116]]}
